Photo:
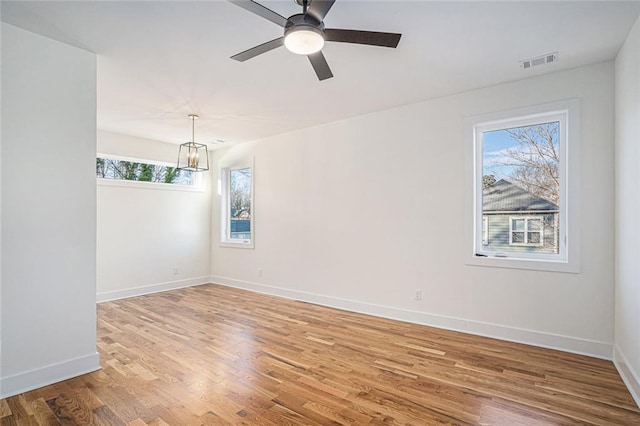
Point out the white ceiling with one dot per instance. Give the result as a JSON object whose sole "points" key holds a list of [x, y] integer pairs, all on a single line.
{"points": [[158, 61]]}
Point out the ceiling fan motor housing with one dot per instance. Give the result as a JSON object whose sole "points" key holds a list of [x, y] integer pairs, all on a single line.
{"points": [[303, 22]]}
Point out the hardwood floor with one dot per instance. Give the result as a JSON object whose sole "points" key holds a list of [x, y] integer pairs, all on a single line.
{"points": [[214, 355]]}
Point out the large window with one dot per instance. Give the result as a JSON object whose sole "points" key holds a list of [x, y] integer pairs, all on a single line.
{"points": [[521, 187], [237, 206]]}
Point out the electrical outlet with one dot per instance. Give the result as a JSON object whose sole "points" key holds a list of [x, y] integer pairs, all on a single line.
{"points": [[175, 270], [259, 272], [418, 295]]}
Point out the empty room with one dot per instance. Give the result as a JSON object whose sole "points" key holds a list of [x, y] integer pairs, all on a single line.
{"points": [[317, 212]]}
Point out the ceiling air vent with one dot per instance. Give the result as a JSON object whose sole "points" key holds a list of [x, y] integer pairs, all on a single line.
{"points": [[539, 60]]}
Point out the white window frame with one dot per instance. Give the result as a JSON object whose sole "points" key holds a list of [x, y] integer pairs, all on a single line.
{"points": [[196, 186], [568, 259], [223, 191], [526, 231]]}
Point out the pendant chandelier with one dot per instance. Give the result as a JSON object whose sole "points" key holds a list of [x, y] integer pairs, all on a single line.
{"points": [[193, 156]]}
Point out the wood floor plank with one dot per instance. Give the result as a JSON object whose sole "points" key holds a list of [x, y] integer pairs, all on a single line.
{"points": [[213, 355], [42, 413], [5, 411]]}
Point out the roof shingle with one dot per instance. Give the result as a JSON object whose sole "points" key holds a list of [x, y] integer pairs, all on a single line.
{"points": [[507, 197]]}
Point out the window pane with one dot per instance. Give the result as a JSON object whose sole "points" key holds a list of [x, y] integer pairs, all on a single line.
{"points": [[517, 224], [520, 176], [535, 224], [533, 237], [240, 204]]}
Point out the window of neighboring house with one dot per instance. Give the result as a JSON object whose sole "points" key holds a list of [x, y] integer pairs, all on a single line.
{"points": [[134, 170], [237, 228], [485, 230], [521, 181], [528, 231]]}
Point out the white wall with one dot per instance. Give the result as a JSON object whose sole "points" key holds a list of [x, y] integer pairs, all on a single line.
{"points": [[147, 230], [627, 161], [360, 213], [48, 318]]}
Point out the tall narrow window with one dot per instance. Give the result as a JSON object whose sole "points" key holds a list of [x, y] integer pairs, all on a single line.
{"points": [[521, 187], [237, 206]]}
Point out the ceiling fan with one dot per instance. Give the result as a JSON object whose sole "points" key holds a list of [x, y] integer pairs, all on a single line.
{"points": [[305, 33]]}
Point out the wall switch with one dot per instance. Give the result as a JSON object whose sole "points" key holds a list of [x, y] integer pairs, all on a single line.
{"points": [[418, 295], [259, 272]]}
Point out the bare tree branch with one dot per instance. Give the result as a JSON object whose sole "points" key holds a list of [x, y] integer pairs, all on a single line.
{"points": [[535, 161]]}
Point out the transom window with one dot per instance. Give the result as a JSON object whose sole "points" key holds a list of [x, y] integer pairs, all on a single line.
{"points": [[114, 168]]}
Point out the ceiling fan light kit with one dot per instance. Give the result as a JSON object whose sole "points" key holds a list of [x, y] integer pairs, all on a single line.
{"points": [[303, 36], [305, 33]]}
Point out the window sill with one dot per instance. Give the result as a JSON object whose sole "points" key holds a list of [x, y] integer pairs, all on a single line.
{"points": [[239, 244], [529, 264], [148, 185]]}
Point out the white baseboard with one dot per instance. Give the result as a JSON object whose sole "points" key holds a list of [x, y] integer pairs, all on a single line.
{"points": [[630, 377], [53, 373], [107, 296], [592, 348]]}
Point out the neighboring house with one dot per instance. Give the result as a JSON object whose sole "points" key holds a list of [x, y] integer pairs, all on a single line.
{"points": [[240, 224], [240, 228], [515, 220]]}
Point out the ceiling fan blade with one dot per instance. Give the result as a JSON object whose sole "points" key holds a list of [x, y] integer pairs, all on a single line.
{"points": [[320, 65], [320, 8], [258, 50], [371, 38], [262, 11]]}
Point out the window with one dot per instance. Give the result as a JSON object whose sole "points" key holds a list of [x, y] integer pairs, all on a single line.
{"points": [[521, 212], [237, 206], [526, 231], [120, 169]]}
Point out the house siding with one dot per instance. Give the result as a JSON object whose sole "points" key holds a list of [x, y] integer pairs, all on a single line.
{"points": [[498, 233]]}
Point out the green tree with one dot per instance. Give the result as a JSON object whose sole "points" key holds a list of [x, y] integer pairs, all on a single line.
{"points": [[171, 174], [124, 169], [130, 170], [100, 167], [146, 172]]}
